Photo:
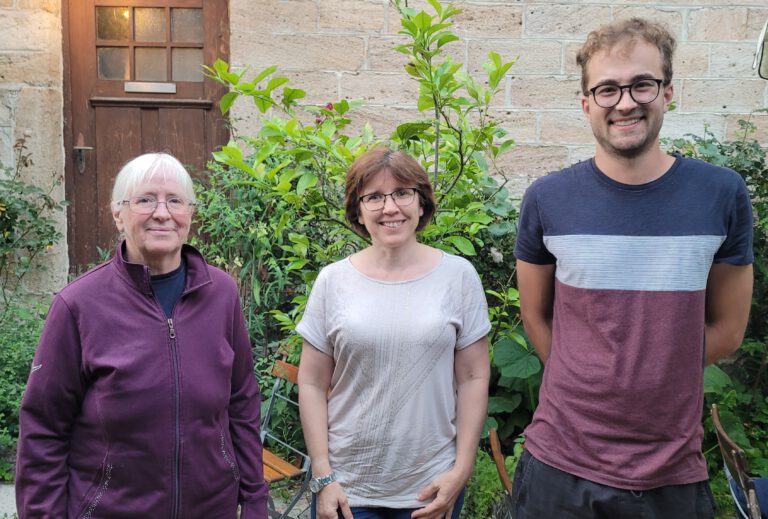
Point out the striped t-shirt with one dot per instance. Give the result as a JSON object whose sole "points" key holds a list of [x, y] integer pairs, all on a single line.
{"points": [[621, 397]]}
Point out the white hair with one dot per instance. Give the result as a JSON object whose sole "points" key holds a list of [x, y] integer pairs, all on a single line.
{"points": [[145, 167]]}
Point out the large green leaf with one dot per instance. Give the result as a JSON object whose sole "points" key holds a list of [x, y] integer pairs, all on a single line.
{"points": [[513, 360], [464, 245], [504, 403], [715, 379]]}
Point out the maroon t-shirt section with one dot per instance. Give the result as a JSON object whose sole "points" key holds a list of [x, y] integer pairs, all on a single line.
{"points": [[618, 405]]}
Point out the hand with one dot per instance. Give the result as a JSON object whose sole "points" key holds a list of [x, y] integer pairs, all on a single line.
{"points": [[446, 489], [332, 501]]}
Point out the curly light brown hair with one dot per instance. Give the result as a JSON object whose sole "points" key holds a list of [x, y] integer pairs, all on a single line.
{"points": [[629, 30], [402, 167]]}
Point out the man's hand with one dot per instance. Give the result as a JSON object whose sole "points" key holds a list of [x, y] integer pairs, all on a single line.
{"points": [[446, 489]]}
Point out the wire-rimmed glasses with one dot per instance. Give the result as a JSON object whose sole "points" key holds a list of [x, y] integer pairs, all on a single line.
{"points": [[642, 91], [148, 205], [402, 197]]}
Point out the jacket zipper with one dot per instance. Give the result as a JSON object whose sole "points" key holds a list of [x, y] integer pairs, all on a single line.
{"points": [[176, 512]]}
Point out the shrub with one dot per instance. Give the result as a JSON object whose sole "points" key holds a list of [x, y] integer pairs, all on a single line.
{"points": [[27, 225], [290, 175], [19, 333]]}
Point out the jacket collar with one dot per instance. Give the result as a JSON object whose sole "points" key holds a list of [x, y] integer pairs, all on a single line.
{"points": [[138, 275]]}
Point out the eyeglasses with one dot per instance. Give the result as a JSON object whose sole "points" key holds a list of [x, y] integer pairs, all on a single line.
{"points": [[402, 197], [642, 91], [148, 205]]}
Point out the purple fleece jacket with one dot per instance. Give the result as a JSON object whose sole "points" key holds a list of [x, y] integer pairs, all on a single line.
{"points": [[130, 414]]}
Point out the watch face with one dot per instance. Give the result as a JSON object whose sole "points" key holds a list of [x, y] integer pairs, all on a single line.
{"points": [[314, 486]]}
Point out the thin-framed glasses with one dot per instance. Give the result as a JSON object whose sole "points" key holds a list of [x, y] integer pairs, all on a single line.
{"points": [[642, 91], [402, 197], [148, 205]]}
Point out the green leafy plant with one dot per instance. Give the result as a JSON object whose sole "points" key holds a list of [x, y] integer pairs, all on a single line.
{"points": [[27, 224], [484, 489], [19, 333]]}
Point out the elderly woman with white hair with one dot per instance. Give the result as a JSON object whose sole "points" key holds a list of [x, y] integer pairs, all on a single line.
{"points": [[142, 401]]}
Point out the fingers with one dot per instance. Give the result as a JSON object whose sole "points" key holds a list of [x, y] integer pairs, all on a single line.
{"points": [[345, 511], [428, 491], [437, 509]]}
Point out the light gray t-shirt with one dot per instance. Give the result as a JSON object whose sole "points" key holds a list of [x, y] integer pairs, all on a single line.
{"points": [[392, 404]]}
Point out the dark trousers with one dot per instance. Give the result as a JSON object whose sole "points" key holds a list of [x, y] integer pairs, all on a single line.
{"points": [[540, 491], [362, 512]]}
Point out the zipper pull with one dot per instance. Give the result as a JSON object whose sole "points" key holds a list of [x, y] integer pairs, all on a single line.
{"points": [[171, 328]]}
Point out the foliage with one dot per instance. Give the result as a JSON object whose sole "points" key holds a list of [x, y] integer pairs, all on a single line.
{"points": [[484, 489], [234, 230], [283, 189], [739, 385], [27, 225], [19, 332]]}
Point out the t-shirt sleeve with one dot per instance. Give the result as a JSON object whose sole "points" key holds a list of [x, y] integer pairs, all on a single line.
{"points": [[737, 247], [530, 231], [474, 319], [313, 327]]}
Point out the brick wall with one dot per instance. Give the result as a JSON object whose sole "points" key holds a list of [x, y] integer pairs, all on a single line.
{"points": [[338, 49], [31, 104]]}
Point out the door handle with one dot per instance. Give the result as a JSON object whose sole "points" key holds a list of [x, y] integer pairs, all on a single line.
{"points": [[80, 157], [80, 148]]}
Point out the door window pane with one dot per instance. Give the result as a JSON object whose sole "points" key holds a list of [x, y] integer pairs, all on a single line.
{"points": [[150, 24], [113, 23], [187, 64], [150, 64], [187, 25], [113, 63]]}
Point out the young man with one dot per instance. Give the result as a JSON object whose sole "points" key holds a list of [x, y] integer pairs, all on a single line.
{"points": [[634, 270]]}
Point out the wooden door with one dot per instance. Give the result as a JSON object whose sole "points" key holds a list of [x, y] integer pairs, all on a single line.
{"points": [[134, 84]]}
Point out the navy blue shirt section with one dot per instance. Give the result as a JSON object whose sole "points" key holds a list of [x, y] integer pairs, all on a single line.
{"points": [[169, 287], [692, 198]]}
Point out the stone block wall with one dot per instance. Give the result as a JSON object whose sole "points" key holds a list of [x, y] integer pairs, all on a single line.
{"points": [[31, 107], [338, 49]]}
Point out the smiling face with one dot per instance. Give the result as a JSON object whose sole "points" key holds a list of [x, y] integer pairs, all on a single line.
{"points": [[628, 129], [392, 225], [154, 239]]}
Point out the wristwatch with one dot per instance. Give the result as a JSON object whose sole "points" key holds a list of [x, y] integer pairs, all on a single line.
{"points": [[317, 484]]}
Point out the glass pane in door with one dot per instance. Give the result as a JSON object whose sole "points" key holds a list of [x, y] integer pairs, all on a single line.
{"points": [[187, 25], [150, 24], [151, 64], [113, 23], [112, 63], [187, 64]]}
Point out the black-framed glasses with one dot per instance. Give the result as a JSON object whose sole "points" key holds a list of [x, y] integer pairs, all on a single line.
{"points": [[642, 91], [148, 205], [402, 197]]}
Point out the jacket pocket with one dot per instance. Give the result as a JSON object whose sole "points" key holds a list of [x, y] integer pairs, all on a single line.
{"points": [[228, 456], [97, 491]]}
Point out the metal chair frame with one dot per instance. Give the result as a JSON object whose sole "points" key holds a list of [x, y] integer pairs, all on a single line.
{"points": [[276, 469]]}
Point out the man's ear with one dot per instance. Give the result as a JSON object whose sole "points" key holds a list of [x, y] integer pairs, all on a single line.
{"points": [[669, 94], [585, 105]]}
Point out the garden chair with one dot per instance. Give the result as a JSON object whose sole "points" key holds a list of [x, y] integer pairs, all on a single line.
{"points": [[736, 471], [279, 472], [505, 509]]}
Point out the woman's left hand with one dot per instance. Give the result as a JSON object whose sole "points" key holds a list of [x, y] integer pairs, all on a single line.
{"points": [[445, 489]]}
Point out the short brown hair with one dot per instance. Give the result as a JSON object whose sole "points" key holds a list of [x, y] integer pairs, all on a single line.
{"points": [[402, 166], [629, 30]]}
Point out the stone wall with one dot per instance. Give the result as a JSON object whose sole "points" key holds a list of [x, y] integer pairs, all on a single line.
{"points": [[338, 49], [31, 107]]}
